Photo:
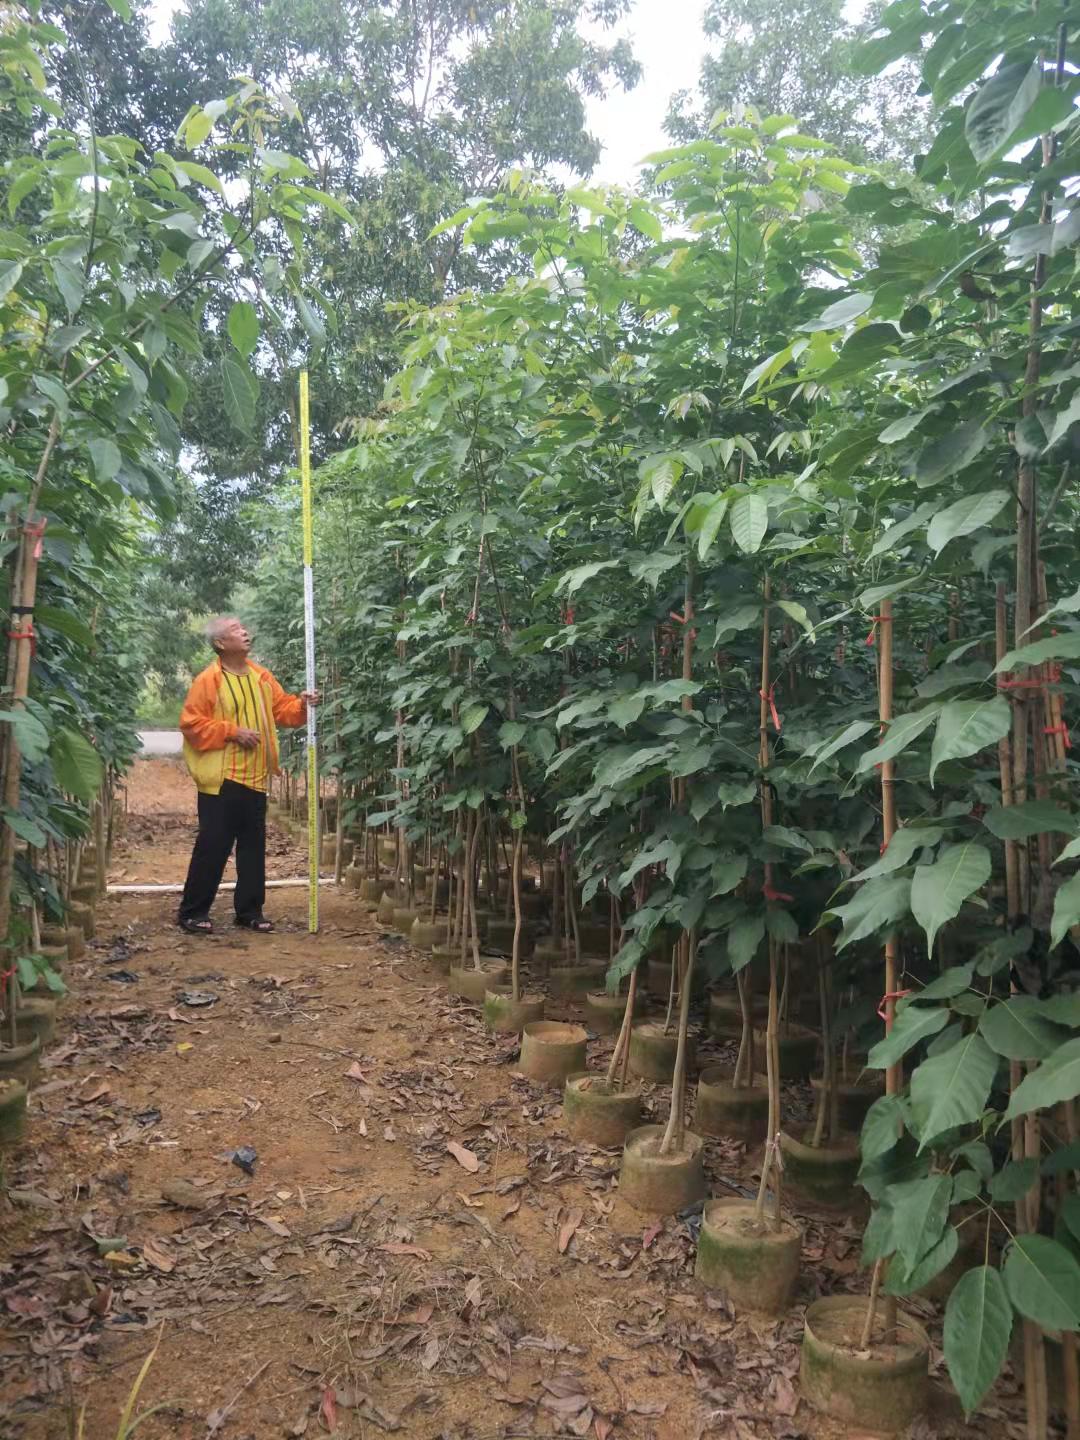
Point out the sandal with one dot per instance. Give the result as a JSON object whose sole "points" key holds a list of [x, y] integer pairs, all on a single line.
{"points": [[196, 927], [262, 925]]}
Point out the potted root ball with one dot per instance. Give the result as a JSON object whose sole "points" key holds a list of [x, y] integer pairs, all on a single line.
{"points": [[747, 1249], [605, 1012], [861, 1368], [603, 1109], [663, 1166], [824, 1164], [735, 1106], [474, 974], [12, 1111], [510, 1013]]}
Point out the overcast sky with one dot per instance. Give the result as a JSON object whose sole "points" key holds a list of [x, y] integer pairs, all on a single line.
{"points": [[667, 40]]}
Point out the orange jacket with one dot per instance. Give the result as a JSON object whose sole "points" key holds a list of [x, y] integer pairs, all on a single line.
{"points": [[206, 733]]}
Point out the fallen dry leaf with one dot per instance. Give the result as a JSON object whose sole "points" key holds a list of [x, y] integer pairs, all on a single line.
{"points": [[511, 1209], [650, 1234], [328, 1410], [96, 1092], [157, 1254], [785, 1400], [465, 1158], [568, 1228], [395, 1247], [355, 1073]]}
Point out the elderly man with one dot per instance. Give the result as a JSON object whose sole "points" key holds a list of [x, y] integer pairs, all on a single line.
{"points": [[229, 724]]}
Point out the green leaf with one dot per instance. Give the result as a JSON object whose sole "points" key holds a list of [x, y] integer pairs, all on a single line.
{"points": [[904, 1280], [312, 322], [725, 875], [76, 764], [744, 937], [106, 456], [649, 568], [911, 1025], [472, 717], [952, 1089], [879, 904], [905, 843], [1013, 1180], [573, 580], [511, 733], [953, 452], [920, 1212], [1015, 1028], [998, 108], [895, 533], [30, 734], [1056, 1079], [882, 1127], [1066, 910], [966, 515], [1065, 646], [840, 313], [1033, 817], [949, 983], [978, 1324], [967, 726], [710, 525], [901, 733], [847, 736], [646, 221], [10, 274], [939, 890], [749, 522], [736, 792], [241, 391], [902, 428], [244, 327], [25, 828], [1043, 1281]]}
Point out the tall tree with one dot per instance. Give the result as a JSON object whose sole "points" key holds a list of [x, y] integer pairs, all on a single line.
{"points": [[800, 58]]}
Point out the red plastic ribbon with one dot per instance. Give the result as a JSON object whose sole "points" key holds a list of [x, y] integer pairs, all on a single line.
{"points": [[36, 530], [876, 621], [883, 1013], [1062, 729], [27, 634], [770, 700]]}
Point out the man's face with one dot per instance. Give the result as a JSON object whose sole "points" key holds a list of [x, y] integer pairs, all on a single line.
{"points": [[234, 637]]}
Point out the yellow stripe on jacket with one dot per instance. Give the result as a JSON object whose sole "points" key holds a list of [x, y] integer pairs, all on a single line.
{"points": [[208, 734], [238, 702]]}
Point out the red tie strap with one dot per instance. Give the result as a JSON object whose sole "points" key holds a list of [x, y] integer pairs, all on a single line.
{"points": [[1061, 729], [877, 620], [770, 700], [771, 894], [883, 1013]]}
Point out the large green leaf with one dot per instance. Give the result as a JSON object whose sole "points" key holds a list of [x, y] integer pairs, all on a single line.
{"points": [[901, 733], [847, 736], [882, 1127], [30, 734], [749, 522], [710, 525], [967, 726], [1043, 1281], [839, 313], [952, 1089], [978, 1324], [905, 1280], [472, 717], [744, 938], [998, 108], [964, 516], [1065, 646], [1066, 910], [920, 1210], [1033, 817], [906, 843], [241, 391], [1056, 1079], [76, 764], [244, 327], [939, 890], [955, 451], [912, 1024], [1015, 1028], [879, 904]]}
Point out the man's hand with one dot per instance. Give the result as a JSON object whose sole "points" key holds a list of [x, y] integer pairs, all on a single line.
{"points": [[247, 739], [311, 697]]}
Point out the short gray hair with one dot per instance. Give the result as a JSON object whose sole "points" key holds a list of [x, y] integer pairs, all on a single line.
{"points": [[217, 628]]}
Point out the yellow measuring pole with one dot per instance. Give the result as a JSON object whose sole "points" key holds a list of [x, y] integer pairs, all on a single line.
{"points": [[309, 660]]}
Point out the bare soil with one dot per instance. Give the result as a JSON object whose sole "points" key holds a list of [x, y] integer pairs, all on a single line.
{"points": [[418, 1250]]}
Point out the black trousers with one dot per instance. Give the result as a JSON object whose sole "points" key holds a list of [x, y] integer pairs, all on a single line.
{"points": [[237, 816]]}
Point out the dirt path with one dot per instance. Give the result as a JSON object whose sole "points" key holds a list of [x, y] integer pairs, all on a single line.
{"points": [[361, 1281]]}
